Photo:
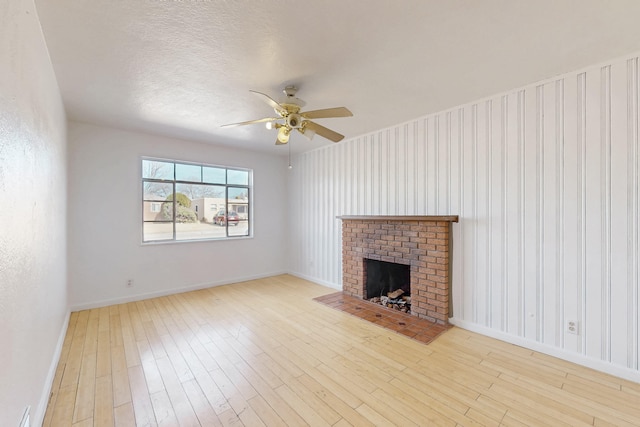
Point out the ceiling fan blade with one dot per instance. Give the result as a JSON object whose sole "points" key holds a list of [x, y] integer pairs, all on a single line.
{"points": [[327, 113], [270, 101], [250, 122], [323, 131]]}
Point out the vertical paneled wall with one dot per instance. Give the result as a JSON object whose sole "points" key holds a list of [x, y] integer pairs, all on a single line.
{"points": [[546, 182]]}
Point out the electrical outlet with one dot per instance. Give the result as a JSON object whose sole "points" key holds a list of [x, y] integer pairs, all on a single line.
{"points": [[573, 327], [130, 283]]}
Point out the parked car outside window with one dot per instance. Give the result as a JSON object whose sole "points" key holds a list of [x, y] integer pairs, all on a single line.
{"points": [[221, 219]]}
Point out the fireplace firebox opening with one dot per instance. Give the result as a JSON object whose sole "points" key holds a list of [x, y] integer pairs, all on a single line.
{"points": [[388, 284]]}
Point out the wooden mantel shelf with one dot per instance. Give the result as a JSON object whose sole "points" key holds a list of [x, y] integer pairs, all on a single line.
{"points": [[449, 218]]}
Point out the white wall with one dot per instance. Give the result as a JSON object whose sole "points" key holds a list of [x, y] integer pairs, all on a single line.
{"points": [[105, 220], [33, 198], [546, 180]]}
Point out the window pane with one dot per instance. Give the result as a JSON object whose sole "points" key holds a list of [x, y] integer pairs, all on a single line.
{"points": [[203, 200], [153, 231], [199, 230], [240, 194], [238, 202], [214, 175], [199, 191], [188, 172], [166, 211], [240, 229], [237, 177], [154, 169], [157, 190], [153, 211]]}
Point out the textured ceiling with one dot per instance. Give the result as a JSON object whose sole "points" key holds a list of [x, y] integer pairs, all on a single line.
{"points": [[183, 68]]}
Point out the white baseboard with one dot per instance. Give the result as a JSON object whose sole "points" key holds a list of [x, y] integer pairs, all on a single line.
{"points": [[38, 415], [317, 281], [165, 292], [579, 359]]}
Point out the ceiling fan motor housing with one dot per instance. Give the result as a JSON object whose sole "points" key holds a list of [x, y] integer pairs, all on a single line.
{"points": [[294, 121]]}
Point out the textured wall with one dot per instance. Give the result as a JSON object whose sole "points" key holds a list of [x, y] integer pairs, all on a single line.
{"points": [[546, 180], [33, 197], [105, 220]]}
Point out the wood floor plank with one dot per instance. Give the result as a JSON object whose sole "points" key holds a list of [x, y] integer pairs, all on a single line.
{"points": [[562, 397], [120, 377], [103, 362], [303, 409], [334, 402], [205, 413], [420, 408], [262, 352], [53, 395], [91, 334], [531, 403], [142, 407], [86, 388], [151, 373], [232, 395], [268, 416], [103, 410], [319, 405], [230, 419], [163, 409], [115, 328], [179, 400], [335, 387], [177, 358], [256, 374], [128, 337], [123, 415], [250, 418], [74, 358], [84, 423], [62, 412], [375, 417], [203, 356]]}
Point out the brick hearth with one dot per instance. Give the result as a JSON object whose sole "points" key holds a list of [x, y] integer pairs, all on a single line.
{"points": [[422, 242]]}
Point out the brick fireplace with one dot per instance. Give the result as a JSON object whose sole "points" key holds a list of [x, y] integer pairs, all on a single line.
{"points": [[422, 242]]}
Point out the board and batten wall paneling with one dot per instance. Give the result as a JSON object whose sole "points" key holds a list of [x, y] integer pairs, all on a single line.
{"points": [[546, 181]]}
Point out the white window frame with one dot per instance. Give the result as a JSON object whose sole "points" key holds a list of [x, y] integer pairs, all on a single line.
{"points": [[175, 182]]}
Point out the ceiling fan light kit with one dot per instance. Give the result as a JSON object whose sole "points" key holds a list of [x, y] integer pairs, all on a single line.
{"points": [[308, 133], [291, 118], [283, 135]]}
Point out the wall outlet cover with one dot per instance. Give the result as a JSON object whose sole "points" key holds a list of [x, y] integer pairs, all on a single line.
{"points": [[573, 327]]}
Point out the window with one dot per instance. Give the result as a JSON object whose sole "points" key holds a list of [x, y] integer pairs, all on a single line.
{"points": [[175, 194]]}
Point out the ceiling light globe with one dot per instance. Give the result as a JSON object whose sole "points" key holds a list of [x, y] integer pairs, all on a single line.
{"points": [[283, 135]]}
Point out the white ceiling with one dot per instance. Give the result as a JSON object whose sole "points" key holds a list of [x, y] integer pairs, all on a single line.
{"points": [[183, 68]]}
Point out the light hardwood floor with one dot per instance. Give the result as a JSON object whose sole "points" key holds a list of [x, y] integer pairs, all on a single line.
{"points": [[263, 353]]}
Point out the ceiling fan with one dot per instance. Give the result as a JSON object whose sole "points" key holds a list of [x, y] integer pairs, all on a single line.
{"points": [[290, 117]]}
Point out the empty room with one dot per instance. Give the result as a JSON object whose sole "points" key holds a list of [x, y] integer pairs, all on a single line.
{"points": [[328, 213]]}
